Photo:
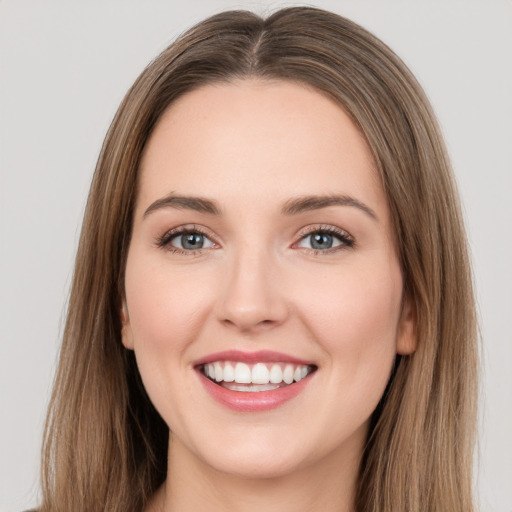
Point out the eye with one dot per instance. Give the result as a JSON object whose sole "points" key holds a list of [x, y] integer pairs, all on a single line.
{"points": [[190, 241], [325, 240], [185, 240]]}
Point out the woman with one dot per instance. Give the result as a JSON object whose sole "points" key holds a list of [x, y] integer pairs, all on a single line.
{"points": [[273, 269]]}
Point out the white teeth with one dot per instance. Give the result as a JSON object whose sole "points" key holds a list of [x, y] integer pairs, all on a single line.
{"points": [[288, 374], [264, 376], [219, 374], [260, 374], [229, 373], [242, 373], [276, 374]]}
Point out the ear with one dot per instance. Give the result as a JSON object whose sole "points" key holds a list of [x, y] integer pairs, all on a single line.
{"points": [[126, 329], [407, 339]]}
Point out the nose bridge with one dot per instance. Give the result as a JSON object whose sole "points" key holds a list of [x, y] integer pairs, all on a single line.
{"points": [[252, 297]]}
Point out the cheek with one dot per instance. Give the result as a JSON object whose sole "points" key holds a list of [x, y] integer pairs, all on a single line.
{"points": [[356, 325], [166, 310], [357, 319], [164, 306]]}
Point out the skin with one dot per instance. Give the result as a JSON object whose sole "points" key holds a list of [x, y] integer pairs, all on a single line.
{"points": [[252, 146]]}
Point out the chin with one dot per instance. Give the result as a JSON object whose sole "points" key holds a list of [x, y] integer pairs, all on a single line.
{"points": [[259, 468], [260, 456]]}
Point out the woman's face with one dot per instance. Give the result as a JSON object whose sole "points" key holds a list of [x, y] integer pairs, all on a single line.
{"points": [[262, 251]]}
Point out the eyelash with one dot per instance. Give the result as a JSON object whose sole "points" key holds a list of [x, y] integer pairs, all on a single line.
{"points": [[347, 241], [165, 240]]}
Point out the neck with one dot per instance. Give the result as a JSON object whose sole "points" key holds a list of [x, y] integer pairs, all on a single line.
{"points": [[192, 485]]}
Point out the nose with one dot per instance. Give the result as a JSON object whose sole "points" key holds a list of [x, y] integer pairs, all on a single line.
{"points": [[253, 297]]}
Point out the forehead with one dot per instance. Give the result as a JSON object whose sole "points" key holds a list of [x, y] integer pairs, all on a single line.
{"points": [[257, 139]]}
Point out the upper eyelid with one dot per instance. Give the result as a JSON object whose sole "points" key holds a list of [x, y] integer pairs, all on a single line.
{"points": [[189, 228], [326, 228], [186, 228]]}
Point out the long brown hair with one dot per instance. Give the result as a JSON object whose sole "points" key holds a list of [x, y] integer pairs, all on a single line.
{"points": [[105, 446]]}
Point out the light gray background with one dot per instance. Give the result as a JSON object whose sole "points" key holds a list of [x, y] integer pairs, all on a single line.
{"points": [[65, 66]]}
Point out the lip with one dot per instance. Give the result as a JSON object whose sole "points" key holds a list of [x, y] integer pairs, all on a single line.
{"points": [[261, 356], [260, 401]]}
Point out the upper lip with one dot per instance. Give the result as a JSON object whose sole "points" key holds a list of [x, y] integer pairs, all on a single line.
{"points": [[261, 356]]}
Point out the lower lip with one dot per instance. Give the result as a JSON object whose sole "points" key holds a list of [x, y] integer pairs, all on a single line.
{"points": [[253, 401]]}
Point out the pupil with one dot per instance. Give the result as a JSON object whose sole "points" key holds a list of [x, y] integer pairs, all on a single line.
{"points": [[192, 241], [321, 241]]}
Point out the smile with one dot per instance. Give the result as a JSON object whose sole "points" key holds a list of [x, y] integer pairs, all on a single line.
{"points": [[257, 377], [253, 381]]}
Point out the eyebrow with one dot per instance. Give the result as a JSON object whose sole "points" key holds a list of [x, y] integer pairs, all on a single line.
{"points": [[310, 203], [198, 204], [291, 207]]}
